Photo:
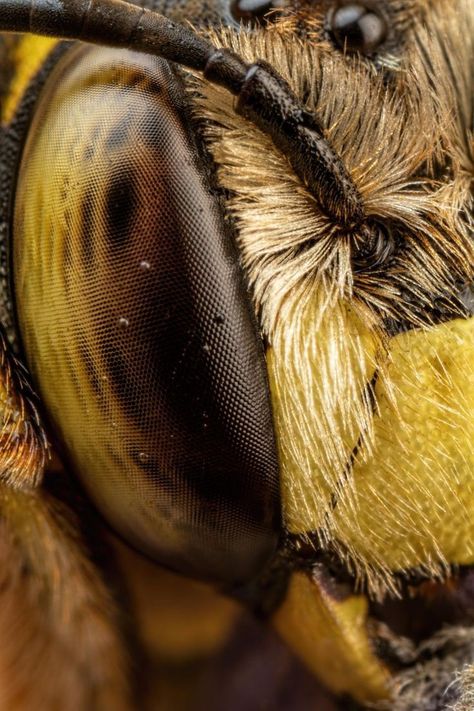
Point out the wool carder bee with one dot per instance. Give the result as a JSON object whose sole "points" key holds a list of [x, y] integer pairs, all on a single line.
{"points": [[238, 265]]}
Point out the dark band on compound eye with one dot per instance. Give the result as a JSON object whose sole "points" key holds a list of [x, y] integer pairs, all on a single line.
{"points": [[121, 201], [357, 27]]}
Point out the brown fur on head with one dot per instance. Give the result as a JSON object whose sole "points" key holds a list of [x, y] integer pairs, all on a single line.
{"points": [[402, 124]]}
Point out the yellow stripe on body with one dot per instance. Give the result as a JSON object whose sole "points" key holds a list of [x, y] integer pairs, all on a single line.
{"points": [[28, 56]]}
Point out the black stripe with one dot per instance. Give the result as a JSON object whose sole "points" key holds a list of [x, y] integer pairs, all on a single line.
{"points": [[121, 207]]}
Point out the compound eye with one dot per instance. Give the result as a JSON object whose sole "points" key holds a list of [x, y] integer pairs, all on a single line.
{"points": [[357, 27], [135, 321]]}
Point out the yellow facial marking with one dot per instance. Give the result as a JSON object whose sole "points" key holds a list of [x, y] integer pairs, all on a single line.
{"points": [[331, 637], [408, 499], [28, 56], [415, 495]]}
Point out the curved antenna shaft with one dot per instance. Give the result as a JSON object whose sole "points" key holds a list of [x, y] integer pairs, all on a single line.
{"points": [[263, 95], [112, 23]]}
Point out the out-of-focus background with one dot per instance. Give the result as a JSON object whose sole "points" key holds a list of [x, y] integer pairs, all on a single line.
{"points": [[201, 651]]}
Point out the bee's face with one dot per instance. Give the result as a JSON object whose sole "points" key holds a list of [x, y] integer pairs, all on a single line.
{"points": [[347, 349], [370, 342], [370, 346]]}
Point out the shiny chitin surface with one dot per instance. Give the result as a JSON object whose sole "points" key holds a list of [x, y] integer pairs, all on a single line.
{"points": [[135, 320]]}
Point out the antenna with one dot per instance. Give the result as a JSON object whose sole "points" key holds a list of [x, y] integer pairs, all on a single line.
{"points": [[263, 96]]}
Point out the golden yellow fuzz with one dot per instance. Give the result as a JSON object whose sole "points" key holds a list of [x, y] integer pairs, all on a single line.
{"points": [[416, 492], [324, 354], [55, 612], [407, 502], [372, 385]]}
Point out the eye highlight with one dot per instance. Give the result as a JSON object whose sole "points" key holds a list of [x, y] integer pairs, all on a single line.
{"points": [[251, 10], [357, 27]]}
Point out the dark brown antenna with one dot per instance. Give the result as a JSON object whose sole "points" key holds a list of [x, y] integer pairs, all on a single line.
{"points": [[263, 96]]}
